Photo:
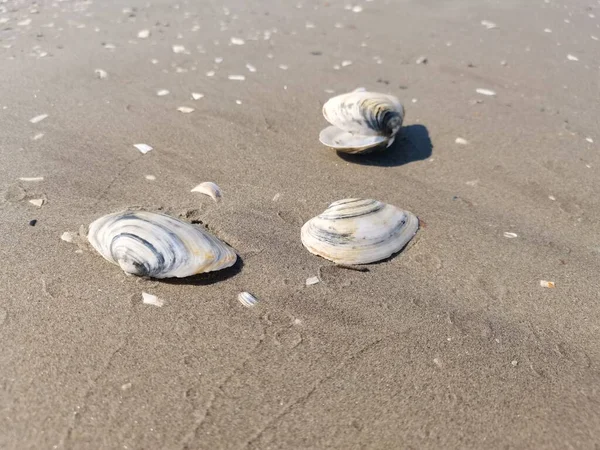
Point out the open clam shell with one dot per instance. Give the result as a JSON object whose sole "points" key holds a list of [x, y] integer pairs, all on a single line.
{"points": [[361, 121], [158, 246], [359, 231]]}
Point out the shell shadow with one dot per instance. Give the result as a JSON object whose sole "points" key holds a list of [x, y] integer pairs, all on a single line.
{"points": [[205, 279], [412, 144]]}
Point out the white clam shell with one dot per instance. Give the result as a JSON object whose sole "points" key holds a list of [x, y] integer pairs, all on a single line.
{"points": [[158, 246], [361, 120], [359, 231], [209, 188]]}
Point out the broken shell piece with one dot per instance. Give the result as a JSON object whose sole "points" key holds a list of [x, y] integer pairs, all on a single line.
{"points": [[143, 34], [547, 284], [247, 299], [39, 202], [197, 95], [312, 280], [361, 121], [461, 141], [102, 74], [185, 109], [209, 188], [359, 231], [159, 246], [487, 92], [39, 118], [144, 148], [149, 299], [67, 236]]}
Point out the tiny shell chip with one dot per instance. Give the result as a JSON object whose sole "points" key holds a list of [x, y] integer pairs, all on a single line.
{"points": [[144, 148], [247, 299], [209, 188], [39, 118], [237, 77], [547, 284], [359, 231], [312, 280], [487, 92], [159, 246], [149, 299], [101, 74], [509, 235], [461, 141], [197, 95], [185, 109], [143, 34]]}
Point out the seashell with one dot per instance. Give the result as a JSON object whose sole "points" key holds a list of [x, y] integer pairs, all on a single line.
{"points": [[361, 121], [209, 188], [247, 299], [359, 231], [158, 246]]}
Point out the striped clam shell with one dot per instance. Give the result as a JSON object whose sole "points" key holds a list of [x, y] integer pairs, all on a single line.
{"points": [[359, 231], [158, 246], [361, 121]]}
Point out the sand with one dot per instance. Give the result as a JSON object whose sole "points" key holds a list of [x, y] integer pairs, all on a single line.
{"points": [[452, 344]]}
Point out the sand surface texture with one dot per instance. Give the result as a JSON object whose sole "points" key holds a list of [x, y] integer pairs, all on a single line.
{"points": [[456, 343]]}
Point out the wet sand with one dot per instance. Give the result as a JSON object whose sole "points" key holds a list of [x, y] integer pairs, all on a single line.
{"points": [[452, 344]]}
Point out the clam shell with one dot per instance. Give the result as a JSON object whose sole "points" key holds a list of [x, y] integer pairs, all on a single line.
{"points": [[343, 141], [359, 231], [361, 120], [158, 246], [211, 189]]}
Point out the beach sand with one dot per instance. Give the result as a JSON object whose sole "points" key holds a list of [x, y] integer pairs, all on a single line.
{"points": [[452, 344]]}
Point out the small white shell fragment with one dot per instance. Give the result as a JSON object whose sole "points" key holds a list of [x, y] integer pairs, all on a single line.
{"points": [[39, 118], [514, 363], [312, 280], [595, 38], [359, 231], [24, 23], [283, 66], [250, 68], [162, 92], [590, 140], [31, 178], [309, 25], [149, 299], [461, 141], [37, 202], [178, 49], [487, 92], [547, 30], [421, 60], [67, 236], [509, 235], [150, 177], [357, 9], [143, 34], [185, 109], [489, 24], [547, 284], [238, 102], [197, 95], [210, 73], [346, 63], [154, 61], [218, 60], [237, 77], [552, 197], [247, 299], [237, 41], [144, 148], [38, 136], [276, 197], [472, 183], [102, 74], [572, 57], [209, 188]]}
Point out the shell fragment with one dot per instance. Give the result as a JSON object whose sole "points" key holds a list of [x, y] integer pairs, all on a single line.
{"points": [[247, 299], [209, 188]]}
